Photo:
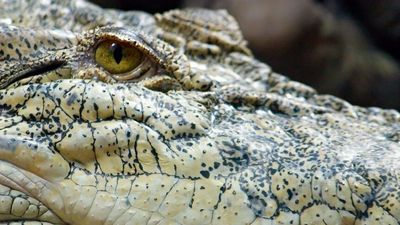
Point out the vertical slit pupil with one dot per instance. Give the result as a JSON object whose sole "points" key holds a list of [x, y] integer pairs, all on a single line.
{"points": [[116, 49]]}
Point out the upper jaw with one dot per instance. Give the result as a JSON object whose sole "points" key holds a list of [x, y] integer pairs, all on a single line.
{"points": [[45, 167]]}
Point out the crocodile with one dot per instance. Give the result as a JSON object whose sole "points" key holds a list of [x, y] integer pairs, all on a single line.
{"points": [[112, 117]]}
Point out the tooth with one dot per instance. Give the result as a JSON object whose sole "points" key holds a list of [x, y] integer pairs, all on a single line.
{"points": [[5, 204], [42, 210], [4, 190], [31, 212], [50, 217], [19, 206]]}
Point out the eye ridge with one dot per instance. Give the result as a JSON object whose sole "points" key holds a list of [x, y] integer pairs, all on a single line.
{"points": [[117, 51]]}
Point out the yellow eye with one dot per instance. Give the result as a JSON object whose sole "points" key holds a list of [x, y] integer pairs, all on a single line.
{"points": [[117, 57]]}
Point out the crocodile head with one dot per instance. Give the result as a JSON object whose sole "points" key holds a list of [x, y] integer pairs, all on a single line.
{"points": [[170, 120]]}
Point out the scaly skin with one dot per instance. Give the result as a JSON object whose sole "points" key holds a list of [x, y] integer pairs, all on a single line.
{"points": [[211, 136]]}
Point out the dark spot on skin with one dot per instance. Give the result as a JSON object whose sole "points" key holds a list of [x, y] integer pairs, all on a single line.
{"points": [[28, 45], [71, 99], [290, 194], [205, 173]]}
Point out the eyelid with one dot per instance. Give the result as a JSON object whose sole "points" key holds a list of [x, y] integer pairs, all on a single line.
{"points": [[163, 55], [136, 40], [149, 63], [144, 67]]}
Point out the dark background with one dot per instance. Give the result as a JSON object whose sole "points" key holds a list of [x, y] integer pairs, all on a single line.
{"points": [[348, 48]]}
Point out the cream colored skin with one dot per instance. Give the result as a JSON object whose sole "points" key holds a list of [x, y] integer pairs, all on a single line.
{"points": [[210, 136]]}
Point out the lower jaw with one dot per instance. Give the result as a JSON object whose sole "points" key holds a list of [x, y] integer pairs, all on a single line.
{"points": [[18, 206], [27, 222]]}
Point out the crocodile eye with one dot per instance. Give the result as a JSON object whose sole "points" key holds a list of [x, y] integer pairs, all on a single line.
{"points": [[117, 57]]}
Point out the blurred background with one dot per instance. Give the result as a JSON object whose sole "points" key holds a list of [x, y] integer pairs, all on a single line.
{"points": [[348, 48]]}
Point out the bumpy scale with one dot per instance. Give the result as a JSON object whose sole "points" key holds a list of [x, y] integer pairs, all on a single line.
{"points": [[199, 132]]}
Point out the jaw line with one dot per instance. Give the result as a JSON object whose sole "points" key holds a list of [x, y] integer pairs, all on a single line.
{"points": [[33, 186]]}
